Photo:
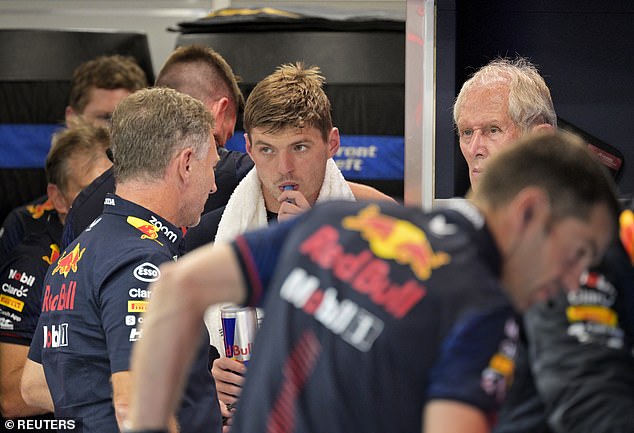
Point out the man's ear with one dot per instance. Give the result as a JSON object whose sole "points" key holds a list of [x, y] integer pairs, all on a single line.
{"points": [[524, 220], [183, 162], [333, 142], [220, 111], [531, 209], [58, 199], [543, 127], [248, 145], [70, 117]]}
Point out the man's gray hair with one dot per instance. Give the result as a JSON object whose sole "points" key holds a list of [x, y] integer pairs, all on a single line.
{"points": [[529, 100], [150, 126]]}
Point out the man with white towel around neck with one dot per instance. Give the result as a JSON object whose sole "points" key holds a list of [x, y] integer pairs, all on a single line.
{"points": [[291, 139]]}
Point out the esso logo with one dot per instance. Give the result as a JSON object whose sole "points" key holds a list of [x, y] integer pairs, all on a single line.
{"points": [[147, 272]]}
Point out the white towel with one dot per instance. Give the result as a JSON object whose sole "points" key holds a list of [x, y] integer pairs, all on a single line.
{"points": [[246, 211]]}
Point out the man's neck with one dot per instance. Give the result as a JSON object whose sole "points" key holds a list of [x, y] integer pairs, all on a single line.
{"points": [[157, 197]]}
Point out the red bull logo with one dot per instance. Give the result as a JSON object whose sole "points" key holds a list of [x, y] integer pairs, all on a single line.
{"points": [[399, 240], [59, 301], [54, 254], [38, 210], [68, 262], [366, 273], [149, 230], [626, 222]]}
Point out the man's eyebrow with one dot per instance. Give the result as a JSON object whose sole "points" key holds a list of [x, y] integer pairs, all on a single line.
{"points": [[261, 142]]}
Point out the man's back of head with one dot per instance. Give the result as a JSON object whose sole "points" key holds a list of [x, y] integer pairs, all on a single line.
{"points": [[204, 74], [150, 126]]}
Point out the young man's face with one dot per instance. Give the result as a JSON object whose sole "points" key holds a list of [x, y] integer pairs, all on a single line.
{"points": [[100, 106], [484, 126], [555, 256], [292, 156]]}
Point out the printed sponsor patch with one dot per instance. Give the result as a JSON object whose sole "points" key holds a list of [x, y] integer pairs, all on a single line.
{"points": [[68, 262], [626, 223], [6, 324], [11, 302], [393, 239], [147, 272], [497, 377], [148, 230], [135, 334], [52, 258], [38, 210], [55, 335], [137, 306], [592, 313]]}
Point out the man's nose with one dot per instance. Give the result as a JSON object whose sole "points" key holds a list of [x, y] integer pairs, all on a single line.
{"points": [[477, 145], [286, 162]]}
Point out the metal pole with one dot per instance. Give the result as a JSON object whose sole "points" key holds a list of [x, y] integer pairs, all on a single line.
{"points": [[420, 102]]}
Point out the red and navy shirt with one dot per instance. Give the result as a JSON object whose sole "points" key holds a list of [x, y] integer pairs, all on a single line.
{"points": [[31, 239], [30, 218], [372, 311], [92, 305]]}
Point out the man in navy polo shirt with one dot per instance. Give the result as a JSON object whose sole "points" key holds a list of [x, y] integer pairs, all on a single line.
{"points": [[164, 156], [76, 157], [381, 318]]}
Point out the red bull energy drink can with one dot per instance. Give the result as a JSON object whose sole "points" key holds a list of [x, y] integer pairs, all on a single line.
{"points": [[239, 325]]}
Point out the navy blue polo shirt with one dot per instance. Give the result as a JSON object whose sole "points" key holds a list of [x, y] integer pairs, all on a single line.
{"points": [[372, 310], [92, 305], [30, 218], [21, 278]]}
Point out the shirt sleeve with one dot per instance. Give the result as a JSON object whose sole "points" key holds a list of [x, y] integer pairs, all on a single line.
{"points": [[258, 253], [37, 343], [476, 361], [124, 298]]}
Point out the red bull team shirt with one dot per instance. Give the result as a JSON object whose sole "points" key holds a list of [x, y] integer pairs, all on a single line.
{"points": [[372, 311], [92, 305]]}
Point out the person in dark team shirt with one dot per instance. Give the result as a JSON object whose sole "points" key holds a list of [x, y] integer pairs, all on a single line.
{"points": [[164, 155], [383, 318], [202, 73], [76, 157], [290, 136], [96, 88]]}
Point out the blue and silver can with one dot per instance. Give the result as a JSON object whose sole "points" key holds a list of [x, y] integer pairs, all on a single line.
{"points": [[239, 325]]}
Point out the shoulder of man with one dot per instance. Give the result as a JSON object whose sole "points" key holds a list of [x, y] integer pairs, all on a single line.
{"points": [[87, 206]]}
